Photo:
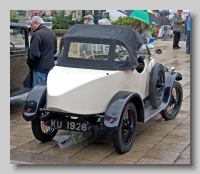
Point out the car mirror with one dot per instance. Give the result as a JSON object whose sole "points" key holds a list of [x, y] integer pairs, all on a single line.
{"points": [[158, 51]]}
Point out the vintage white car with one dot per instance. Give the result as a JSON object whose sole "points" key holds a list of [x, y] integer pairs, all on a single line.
{"points": [[101, 77]]}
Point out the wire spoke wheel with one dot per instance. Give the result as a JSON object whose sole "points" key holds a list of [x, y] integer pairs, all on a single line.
{"points": [[174, 105], [127, 128], [45, 128], [157, 85], [125, 135], [160, 86], [41, 130]]}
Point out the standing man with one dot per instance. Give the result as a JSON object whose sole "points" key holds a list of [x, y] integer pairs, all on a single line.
{"points": [[43, 46], [178, 23], [166, 25]]}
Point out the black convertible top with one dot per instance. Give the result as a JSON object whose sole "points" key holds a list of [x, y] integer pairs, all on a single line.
{"points": [[110, 34], [14, 25], [124, 34]]}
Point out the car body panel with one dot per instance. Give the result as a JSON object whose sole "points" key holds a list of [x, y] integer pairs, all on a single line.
{"points": [[88, 91], [36, 97], [116, 107]]}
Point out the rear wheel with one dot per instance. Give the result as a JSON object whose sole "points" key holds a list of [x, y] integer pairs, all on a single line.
{"points": [[157, 85], [125, 135], [41, 131], [171, 111]]}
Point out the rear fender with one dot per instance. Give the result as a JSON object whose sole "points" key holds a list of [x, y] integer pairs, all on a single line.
{"points": [[36, 97], [116, 106]]}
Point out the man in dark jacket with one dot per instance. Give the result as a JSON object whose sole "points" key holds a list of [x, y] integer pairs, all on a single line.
{"points": [[43, 46]]}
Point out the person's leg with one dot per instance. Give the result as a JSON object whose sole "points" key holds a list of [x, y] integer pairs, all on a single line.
{"points": [[165, 32], [188, 43], [160, 32], [39, 77], [179, 35], [176, 39]]}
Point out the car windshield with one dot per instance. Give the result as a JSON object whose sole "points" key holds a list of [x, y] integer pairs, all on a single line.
{"points": [[88, 51]]}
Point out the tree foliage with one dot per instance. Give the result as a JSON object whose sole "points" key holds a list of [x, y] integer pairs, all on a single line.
{"points": [[61, 21], [13, 15], [130, 22]]}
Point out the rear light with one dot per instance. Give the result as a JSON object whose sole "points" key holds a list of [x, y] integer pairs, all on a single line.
{"points": [[111, 120], [28, 110], [89, 128]]}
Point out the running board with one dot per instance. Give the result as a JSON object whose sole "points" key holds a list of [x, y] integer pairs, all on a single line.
{"points": [[149, 112]]}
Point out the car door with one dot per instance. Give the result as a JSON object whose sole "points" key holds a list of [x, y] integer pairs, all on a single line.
{"points": [[18, 53]]}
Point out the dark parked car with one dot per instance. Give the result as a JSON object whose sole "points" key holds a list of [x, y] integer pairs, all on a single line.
{"points": [[19, 44]]}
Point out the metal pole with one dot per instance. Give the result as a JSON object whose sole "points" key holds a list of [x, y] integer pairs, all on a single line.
{"points": [[96, 17]]}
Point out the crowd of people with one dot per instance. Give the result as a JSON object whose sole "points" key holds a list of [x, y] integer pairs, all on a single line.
{"points": [[40, 13], [179, 24]]}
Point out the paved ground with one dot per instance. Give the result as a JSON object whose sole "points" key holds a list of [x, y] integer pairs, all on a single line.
{"points": [[157, 141]]}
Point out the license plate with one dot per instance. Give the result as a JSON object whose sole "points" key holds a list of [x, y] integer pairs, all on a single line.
{"points": [[69, 125]]}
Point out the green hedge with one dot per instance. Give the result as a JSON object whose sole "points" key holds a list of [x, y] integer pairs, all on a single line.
{"points": [[61, 21], [14, 16], [130, 22]]}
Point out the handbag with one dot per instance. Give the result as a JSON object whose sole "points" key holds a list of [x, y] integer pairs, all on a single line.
{"points": [[29, 79]]}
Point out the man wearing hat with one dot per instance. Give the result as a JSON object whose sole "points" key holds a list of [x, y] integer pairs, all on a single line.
{"points": [[178, 23], [88, 19]]}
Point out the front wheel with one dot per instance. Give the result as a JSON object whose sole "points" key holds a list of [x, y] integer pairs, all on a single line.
{"points": [[125, 135], [41, 130], [171, 111]]}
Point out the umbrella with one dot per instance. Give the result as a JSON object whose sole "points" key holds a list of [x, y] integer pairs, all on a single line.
{"points": [[146, 16], [172, 11], [164, 12]]}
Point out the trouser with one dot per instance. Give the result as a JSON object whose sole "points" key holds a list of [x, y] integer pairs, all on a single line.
{"points": [[188, 42], [160, 33], [39, 77], [176, 39]]}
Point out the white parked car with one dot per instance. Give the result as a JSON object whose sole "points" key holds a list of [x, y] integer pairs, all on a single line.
{"points": [[101, 78]]}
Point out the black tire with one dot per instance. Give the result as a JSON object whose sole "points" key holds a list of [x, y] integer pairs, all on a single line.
{"points": [[156, 85], [125, 135], [171, 111], [41, 131]]}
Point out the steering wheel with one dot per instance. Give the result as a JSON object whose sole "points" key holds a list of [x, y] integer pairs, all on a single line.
{"points": [[12, 45]]}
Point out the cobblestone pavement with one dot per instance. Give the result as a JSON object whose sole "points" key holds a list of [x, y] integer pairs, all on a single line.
{"points": [[157, 141]]}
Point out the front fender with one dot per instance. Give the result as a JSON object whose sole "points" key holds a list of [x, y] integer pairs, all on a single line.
{"points": [[36, 97], [169, 82], [115, 109]]}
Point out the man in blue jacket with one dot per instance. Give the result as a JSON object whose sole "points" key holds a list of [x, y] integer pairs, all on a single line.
{"points": [[43, 46], [188, 34]]}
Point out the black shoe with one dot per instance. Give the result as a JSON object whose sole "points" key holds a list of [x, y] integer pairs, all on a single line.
{"points": [[179, 47], [187, 52], [175, 47]]}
